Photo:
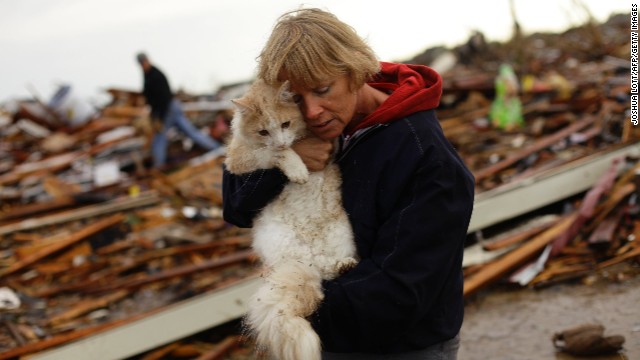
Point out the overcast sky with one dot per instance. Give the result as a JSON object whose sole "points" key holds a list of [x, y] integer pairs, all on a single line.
{"points": [[202, 44]]}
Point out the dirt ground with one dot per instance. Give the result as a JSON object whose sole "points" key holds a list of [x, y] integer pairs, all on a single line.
{"points": [[508, 324]]}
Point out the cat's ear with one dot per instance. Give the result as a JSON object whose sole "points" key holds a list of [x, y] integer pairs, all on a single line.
{"points": [[242, 105], [284, 93]]}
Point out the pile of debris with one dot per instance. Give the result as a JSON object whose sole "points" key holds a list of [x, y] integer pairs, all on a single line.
{"points": [[574, 101], [91, 239], [593, 235]]}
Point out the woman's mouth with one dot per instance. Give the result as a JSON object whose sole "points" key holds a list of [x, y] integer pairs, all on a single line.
{"points": [[323, 124]]}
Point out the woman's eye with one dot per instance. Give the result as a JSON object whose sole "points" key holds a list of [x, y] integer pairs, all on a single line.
{"points": [[263, 132], [285, 125], [322, 90]]}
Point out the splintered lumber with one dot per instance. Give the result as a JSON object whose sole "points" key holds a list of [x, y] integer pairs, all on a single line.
{"points": [[517, 257], [67, 337], [125, 97], [131, 283], [618, 259], [86, 306], [15, 333], [222, 348], [62, 244], [555, 277], [59, 202], [537, 146], [518, 237], [587, 207], [51, 164], [610, 204], [82, 213], [124, 111], [113, 271], [605, 231], [160, 353], [31, 209]]}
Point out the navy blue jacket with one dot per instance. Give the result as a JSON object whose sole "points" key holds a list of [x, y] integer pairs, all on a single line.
{"points": [[409, 198]]}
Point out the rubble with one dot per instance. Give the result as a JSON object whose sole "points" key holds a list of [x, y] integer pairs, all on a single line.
{"points": [[91, 239]]}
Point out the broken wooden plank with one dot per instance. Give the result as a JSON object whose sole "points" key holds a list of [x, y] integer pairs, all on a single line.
{"points": [[537, 146], [605, 231], [515, 258], [45, 166], [57, 203], [121, 342], [32, 209], [618, 259], [160, 353], [86, 306], [588, 206], [15, 333], [109, 274], [72, 239], [610, 204], [222, 348], [119, 204], [519, 236], [514, 199], [570, 274], [136, 281], [59, 339]]}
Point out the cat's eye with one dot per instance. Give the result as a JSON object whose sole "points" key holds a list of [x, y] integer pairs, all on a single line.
{"points": [[263, 132], [296, 98], [285, 125]]}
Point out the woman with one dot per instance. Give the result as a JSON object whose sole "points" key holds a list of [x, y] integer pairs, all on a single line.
{"points": [[408, 194]]}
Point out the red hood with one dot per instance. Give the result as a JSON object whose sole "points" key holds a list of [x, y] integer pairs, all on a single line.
{"points": [[412, 88]]}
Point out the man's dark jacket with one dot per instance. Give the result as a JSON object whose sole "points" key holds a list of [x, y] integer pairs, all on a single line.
{"points": [[157, 92], [409, 198]]}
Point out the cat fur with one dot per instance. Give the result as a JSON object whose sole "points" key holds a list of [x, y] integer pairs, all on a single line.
{"points": [[302, 237]]}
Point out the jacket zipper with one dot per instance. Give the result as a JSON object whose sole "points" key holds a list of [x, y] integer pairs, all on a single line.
{"points": [[353, 142]]}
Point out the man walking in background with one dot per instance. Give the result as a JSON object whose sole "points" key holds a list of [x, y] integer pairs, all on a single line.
{"points": [[166, 112]]}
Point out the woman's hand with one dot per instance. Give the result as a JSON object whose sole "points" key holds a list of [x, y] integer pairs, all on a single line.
{"points": [[314, 152]]}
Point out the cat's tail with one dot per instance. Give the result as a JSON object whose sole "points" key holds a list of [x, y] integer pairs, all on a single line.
{"points": [[276, 316]]}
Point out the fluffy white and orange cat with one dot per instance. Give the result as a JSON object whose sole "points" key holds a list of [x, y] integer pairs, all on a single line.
{"points": [[302, 236]]}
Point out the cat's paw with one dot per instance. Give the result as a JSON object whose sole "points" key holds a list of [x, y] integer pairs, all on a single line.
{"points": [[345, 265], [298, 175], [292, 166]]}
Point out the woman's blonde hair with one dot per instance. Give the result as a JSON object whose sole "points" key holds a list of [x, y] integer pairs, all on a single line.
{"points": [[309, 46]]}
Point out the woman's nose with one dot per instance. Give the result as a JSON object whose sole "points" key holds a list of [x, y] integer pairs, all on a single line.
{"points": [[312, 109]]}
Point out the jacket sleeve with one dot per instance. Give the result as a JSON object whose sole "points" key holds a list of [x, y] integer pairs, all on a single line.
{"points": [[243, 196], [414, 264]]}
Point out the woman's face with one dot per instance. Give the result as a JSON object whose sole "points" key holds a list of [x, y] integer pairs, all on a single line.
{"points": [[328, 107]]}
